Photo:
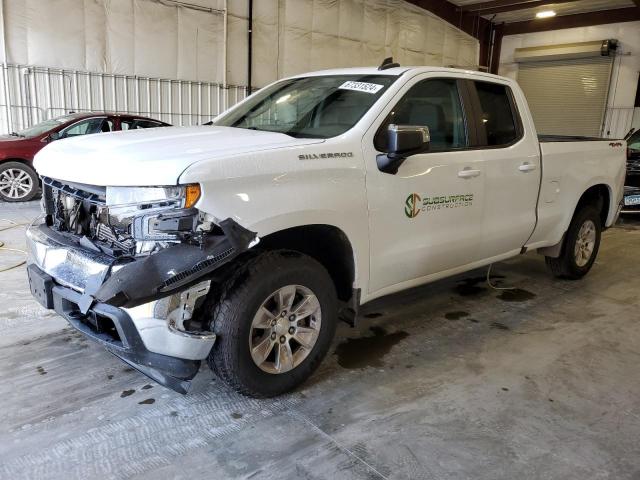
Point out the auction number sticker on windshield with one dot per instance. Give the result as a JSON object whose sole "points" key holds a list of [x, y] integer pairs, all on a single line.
{"points": [[366, 87]]}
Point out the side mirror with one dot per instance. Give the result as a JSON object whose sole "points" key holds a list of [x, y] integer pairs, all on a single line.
{"points": [[403, 141], [54, 136]]}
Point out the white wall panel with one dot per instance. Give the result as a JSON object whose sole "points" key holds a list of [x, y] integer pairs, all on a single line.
{"points": [[167, 61], [337, 33], [160, 39], [128, 37]]}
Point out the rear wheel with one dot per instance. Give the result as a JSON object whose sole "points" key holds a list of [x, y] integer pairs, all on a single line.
{"points": [[18, 182], [274, 322], [580, 247]]}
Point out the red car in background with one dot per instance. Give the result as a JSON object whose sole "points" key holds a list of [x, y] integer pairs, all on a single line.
{"points": [[18, 180]]}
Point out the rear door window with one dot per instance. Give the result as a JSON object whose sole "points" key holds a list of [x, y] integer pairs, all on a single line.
{"points": [[107, 125], [498, 116], [137, 123], [145, 123]]}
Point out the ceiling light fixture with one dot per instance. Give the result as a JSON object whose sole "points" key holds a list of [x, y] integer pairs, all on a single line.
{"points": [[546, 14]]}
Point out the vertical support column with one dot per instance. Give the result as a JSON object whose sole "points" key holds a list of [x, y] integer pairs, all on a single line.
{"points": [[249, 47], [102, 93], [7, 97], [159, 86], [50, 107], [126, 94], [5, 73], [76, 91], [496, 47], [170, 101], [225, 33], [485, 36], [89, 79]]}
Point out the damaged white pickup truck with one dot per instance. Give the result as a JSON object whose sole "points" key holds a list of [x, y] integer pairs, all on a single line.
{"points": [[244, 242]]}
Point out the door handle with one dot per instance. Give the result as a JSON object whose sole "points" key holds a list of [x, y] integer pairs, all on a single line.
{"points": [[468, 173], [527, 167]]}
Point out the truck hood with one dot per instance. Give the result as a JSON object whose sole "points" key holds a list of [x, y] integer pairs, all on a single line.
{"points": [[154, 156]]}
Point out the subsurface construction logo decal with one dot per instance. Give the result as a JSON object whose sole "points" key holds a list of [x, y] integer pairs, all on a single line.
{"points": [[414, 204]]}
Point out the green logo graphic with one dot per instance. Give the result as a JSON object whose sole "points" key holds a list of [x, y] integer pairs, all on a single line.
{"points": [[412, 205]]}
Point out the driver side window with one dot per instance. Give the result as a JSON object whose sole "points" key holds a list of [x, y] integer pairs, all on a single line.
{"points": [[432, 103]]}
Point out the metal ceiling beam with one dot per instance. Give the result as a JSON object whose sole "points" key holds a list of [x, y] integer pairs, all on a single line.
{"points": [[470, 23], [477, 7], [628, 14], [491, 8]]}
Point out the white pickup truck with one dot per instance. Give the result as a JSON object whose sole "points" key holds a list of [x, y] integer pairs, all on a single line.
{"points": [[244, 242]]}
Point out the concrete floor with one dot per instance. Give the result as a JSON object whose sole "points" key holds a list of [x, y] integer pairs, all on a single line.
{"points": [[448, 381]]}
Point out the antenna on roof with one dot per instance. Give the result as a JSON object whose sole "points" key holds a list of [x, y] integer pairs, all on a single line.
{"points": [[388, 63]]}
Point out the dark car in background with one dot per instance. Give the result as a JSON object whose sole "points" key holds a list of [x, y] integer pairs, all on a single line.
{"points": [[18, 180], [632, 182]]}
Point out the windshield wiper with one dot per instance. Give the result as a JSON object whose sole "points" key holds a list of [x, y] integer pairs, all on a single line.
{"points": [[15, 134]]}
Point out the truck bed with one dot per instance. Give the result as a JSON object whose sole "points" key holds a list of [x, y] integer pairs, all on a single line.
{"points": [[569, 166]]}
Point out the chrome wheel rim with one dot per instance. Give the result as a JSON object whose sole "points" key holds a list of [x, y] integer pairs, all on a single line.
{"points": [[15, 183], [585, 243], [285, 329]]}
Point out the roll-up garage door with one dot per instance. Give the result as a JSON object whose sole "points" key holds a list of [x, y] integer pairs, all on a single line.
{"points": [[568, 96]]}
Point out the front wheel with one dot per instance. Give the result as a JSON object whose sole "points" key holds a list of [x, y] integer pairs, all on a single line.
{"points": [[274, 322], [580, 247], [18, 182]]}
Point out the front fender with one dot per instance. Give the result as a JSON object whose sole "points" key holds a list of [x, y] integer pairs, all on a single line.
{"points": [[282, 192]]}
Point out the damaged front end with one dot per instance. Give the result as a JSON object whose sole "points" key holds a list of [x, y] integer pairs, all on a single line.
{"points": [[130, 267]]}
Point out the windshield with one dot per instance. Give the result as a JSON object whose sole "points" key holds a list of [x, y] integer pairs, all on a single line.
{"points": [[310, 107], [44, 127]]}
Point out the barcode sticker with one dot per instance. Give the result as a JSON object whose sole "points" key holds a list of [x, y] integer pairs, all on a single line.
{"points": [[372, 88]]}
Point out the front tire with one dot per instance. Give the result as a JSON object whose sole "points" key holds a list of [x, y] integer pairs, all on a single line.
{"points": [[18, 182], [274, 321], [580, 247]]}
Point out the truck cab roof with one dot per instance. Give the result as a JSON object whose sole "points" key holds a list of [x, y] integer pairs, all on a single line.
{"points": [[398, 71]]}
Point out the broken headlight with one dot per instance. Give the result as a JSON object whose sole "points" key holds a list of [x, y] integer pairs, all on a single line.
{"points": [[181, 196], [165, 224], [155, 213]]}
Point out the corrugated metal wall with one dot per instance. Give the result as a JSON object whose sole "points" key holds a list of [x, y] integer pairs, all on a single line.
{"points": [[568, 96], [619, 117], [34, 94]]}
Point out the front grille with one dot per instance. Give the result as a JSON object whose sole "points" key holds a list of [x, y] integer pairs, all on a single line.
{"points": [[90, 193], [115, 240], [81, 210]]}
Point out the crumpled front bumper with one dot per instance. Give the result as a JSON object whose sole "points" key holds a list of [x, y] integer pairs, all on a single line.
{"points": [[135, 308]]}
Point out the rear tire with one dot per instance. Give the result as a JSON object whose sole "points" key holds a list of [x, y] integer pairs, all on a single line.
{"points": [[259, 348], [18, 182], [580, 247]]}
